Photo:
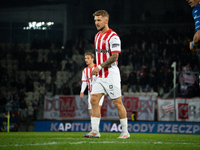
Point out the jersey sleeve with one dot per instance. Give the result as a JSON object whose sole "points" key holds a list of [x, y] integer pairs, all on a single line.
{"points": [[196, 16], [83, 79], [115, 44], [83, 86]]}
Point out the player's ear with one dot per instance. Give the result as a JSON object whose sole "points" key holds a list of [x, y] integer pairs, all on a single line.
{"points": [[107, 20]]}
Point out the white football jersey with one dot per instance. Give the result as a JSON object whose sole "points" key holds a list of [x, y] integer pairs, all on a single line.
{"points": [[106, 44]]}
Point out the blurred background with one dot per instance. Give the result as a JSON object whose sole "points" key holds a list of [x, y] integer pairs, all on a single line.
{"points": [[42, 46]]}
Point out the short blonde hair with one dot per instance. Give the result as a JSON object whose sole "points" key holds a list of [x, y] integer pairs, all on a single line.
{"points": [[102, 13], [89, 53]]}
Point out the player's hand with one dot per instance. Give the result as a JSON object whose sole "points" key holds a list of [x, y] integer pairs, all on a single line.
{"points": [[192, 48], [81, 95], [95, 71]]}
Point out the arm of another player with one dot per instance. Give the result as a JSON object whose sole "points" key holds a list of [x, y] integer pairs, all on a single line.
{"points": [[108, 62], [83, 87], [196, 41]]}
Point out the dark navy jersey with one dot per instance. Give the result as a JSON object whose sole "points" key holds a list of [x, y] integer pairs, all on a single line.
{"points": [[196, 16]]}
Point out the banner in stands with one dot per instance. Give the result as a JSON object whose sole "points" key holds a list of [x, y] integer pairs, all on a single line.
{"points": [[73, 107], [186, 109], [13, 124], [115, 126]]}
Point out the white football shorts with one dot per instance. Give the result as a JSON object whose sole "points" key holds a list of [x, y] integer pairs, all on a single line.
{"points": [[108, 86]]}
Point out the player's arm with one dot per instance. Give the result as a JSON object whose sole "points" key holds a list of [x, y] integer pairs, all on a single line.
{"points": [[108, 62], [83, 87], [196, 41]]}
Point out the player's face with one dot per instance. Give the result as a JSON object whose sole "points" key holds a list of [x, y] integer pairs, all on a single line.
{"points": [[193, 3], [100, 22], [88, 59]]}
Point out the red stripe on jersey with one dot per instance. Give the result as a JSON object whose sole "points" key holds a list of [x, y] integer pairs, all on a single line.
{"points": [[99, 54], [89, 77], [103, 51], [116, 52], [105, 54], [86, 73]]}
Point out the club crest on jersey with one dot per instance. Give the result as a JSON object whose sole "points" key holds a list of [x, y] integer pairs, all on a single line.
{"points": [[102, 51]]}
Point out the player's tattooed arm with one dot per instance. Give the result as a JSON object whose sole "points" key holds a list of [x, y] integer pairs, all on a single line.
{"points": [[110, 60]]}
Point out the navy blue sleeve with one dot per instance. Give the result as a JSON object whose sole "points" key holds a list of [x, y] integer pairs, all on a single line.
{"points": [[196, 16]]}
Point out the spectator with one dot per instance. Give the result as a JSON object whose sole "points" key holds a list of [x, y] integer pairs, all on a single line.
{"points": [[35, 104], [42, 66], [21, 95], [20, 85], [81, 45], [23, 108], [42, 77], [76, 88], [159, 65], [142, 73], [169, 80], [194, 60], [132, 81], [68, 48], [124, 83], [133, 116], [14, 79], [29, 84], [16, 108], [143, 82], [134, 60], [66, 90], [125, 58], [161, 79], [153, 79], [54, 69], [187, 68], [184, 90], [5, 78], [9, 106], [3, 102], [68, 66]]}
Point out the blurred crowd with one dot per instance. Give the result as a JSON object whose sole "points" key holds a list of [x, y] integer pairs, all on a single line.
{"points": [[145, 65], [150, 53]]}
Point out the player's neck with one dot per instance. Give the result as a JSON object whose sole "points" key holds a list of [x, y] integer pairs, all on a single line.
{"points": [[105, 30], [91, 65]]}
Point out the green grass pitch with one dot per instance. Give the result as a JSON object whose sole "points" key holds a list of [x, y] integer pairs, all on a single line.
{"points": [[108, 141]]}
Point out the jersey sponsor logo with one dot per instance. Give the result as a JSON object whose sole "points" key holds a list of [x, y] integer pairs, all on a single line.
{"points": [[102, 51], [115, 45]]}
